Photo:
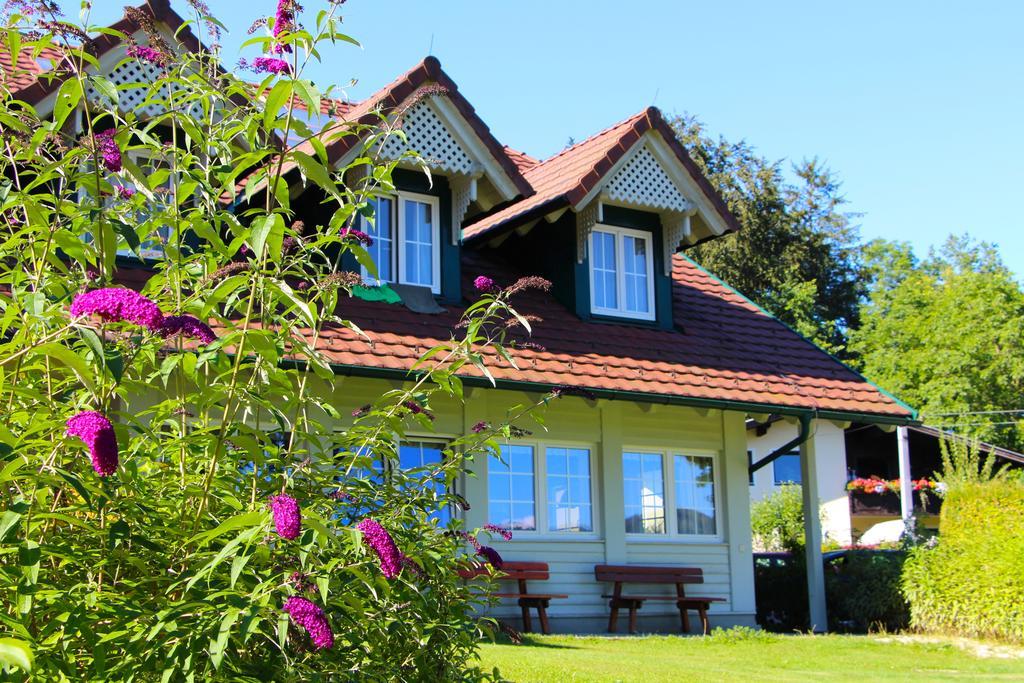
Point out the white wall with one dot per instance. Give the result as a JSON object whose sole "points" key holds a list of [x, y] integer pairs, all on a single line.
{"points": [[830, 451]]}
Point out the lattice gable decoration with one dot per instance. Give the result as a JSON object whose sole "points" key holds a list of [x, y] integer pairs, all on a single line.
{"points": [[427, 135], [644, 183], [132, 78]]}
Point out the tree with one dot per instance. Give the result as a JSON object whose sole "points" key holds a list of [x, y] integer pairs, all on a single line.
{"points": [[946, 334], [797, 253]]}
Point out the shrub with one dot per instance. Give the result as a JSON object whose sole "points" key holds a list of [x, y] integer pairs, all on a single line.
{"points": [[777, 522], [862, 588], [178, 468], [972, 581], [780, 584]]}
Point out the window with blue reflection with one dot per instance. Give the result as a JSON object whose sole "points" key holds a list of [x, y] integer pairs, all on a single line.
{"points": [[511, 499], [695, 495], [418, 458], [568, 480], [644, 492], [787, 469]]}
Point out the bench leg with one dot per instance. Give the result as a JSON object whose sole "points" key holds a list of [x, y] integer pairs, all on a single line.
{"points": [[613, 619], [685, 618], [527, 625], [543, 614], [703, 612], [632, 617]]}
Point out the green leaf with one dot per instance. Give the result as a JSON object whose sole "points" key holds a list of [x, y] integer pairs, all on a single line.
{"points": [[237, 565], [238, 521], [14, 652], [105, 88], [268, 231], [70, 359], [316, 172], [10, 519], [68, 98], [219, 644], [275, 101]]}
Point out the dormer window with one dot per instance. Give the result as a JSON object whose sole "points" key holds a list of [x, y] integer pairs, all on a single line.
{"points": [[621, 273], [406, 242]]}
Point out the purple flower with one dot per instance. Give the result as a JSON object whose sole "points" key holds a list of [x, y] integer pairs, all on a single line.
{"points": [[117, 304], [391, 558], [361, 411], [125, 192], [98, 434], [481, 426], [108, 149], [188, 326], [416, 409], [284, 21], [267, 65], [484, 284], [145, 53], [501, 531], [310, 617], [354, 235], [491, 555], [287, 516]]}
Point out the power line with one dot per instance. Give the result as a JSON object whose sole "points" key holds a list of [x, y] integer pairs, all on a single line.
{"points": [[976, 412]]}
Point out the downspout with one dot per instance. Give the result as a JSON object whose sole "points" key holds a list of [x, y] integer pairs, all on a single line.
{"points": [[802, 435]]}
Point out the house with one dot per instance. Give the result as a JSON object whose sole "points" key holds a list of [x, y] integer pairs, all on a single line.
{"points": [[650, 465], [865, 452]]}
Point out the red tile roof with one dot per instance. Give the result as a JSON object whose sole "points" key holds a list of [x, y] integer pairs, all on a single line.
{"points": [[28, 69], [399, 93], [35, 90], [566, 178], [523, 161], [724, 349]]}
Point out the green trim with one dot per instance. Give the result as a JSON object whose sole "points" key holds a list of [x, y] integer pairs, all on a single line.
{"points": [[633, 396], [913, 412]]}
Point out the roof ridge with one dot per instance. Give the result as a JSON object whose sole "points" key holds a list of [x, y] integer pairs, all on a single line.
{"points": [[576, 146]]}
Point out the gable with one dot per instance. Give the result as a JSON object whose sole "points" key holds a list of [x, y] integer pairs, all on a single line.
{"points": [[643, 183], [427, 135]]}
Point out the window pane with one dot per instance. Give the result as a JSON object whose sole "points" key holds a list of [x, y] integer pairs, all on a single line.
{"points": [[568, 489], [603, 264], [644, 489], [416, 454], [381, 232], [510, 488], [418, 250], [787, 469], [636, 275], [695, 494]]}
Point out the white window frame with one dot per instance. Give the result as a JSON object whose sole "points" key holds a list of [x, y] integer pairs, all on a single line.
{"points": [[397, 229], [118, 180], [620, 273], [540, 492], [668, 469]]}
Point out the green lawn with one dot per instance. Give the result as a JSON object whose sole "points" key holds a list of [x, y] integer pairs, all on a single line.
{"points": [[750, 656]]}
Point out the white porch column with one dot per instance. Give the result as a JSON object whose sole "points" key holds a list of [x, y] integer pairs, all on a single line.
{"points": [[613, 506], [737, 513], [812, 534], [475, 487], [906, 484]]}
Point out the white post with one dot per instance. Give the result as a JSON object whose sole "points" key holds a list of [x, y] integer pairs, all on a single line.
{"points": [[906, 483], [812, 536]]}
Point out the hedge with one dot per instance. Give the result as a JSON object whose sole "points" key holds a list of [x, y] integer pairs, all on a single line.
{"points": [[972, 581]]}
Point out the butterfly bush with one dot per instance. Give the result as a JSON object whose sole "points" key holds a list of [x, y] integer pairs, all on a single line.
{"points": [[287, 516], [310, 617], [98, 434], [118, 304], [201, 384]]}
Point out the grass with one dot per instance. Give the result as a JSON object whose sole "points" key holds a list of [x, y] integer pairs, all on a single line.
{"points": [[746, 655]]}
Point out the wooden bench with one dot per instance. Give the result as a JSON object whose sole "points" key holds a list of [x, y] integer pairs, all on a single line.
{"points": [[521, 573], [680, 576]]}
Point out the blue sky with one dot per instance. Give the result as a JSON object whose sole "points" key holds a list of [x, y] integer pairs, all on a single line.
{"points": [[918, 106]]}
